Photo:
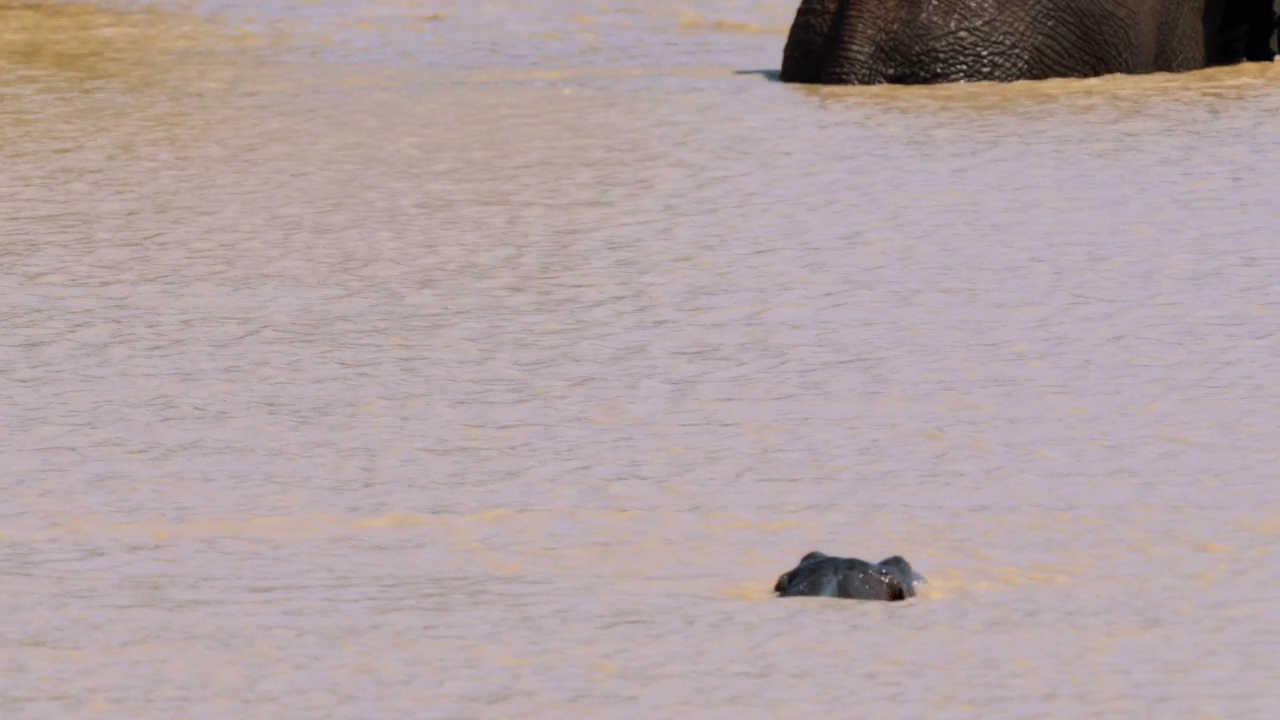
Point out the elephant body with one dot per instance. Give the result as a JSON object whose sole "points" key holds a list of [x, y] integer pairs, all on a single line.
{"points": [[868, 42], [826, 576]]}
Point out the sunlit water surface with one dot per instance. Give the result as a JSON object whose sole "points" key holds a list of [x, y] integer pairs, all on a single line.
{"points": [[467, 359]]}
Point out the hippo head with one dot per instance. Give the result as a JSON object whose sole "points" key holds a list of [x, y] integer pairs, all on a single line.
{"points": [[822, 575]]}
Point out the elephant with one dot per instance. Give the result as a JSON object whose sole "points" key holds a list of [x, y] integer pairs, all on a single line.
{"points": [[826, 576], [872, 42]]}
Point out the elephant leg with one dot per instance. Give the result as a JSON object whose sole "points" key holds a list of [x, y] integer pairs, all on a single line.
{"points": [[1238, 30], [1261, 19], [809, 45], [1180, 40]]}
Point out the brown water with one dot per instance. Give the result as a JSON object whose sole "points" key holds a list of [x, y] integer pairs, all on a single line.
{"points": [[461, 360]]}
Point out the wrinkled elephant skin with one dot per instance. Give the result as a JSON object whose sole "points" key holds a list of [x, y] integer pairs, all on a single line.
{"points": [[869, 42]]}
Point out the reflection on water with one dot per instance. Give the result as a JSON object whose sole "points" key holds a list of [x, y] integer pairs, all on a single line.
{"points": [[1125, 93], [403, 359]]}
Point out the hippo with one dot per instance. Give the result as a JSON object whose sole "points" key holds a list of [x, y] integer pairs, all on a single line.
{"points": [[826, 576]]}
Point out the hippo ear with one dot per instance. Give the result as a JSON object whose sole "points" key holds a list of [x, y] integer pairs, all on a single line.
{"points": [[815, 555]]}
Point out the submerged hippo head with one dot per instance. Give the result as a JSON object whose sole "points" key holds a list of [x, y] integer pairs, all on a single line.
{"points": [[826, 576]]}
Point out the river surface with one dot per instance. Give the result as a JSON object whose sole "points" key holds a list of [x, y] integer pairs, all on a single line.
{"points": [[477, 359]]}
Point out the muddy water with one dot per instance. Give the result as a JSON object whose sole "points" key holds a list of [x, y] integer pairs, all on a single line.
{"points": [[452, 360]]}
